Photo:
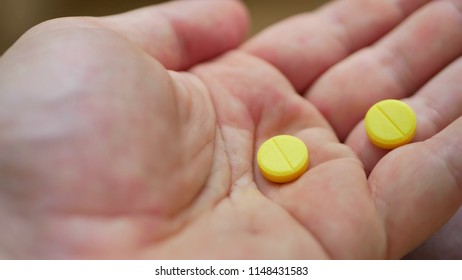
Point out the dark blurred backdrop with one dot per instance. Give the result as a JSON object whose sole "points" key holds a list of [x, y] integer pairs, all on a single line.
{"points": [[16, 16]]}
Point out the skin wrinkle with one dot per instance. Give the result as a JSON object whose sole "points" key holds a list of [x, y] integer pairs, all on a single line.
{"points": [[189, 108], [217, 133], [448, 166], [383, 225], [343, 35], [435, 119], [220, 136], [404, 77], [382, 218], [237, 177], [251, 229]]}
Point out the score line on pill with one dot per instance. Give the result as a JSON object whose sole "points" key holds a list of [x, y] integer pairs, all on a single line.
{"points": [[283, 158], [390, 123]]}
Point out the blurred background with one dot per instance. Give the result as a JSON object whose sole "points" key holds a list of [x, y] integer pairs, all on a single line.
{"points": [[17, 16]]}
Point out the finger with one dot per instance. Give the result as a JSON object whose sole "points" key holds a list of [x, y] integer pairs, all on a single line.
{"points": [[181, 33], [436, 105], [418, 188], [305, 46], [394, 68]]}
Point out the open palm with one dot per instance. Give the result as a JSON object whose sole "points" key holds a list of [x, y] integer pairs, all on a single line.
{"points": [[106, 154]]}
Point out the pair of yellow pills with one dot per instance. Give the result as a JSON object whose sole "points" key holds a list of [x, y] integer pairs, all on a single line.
{"points": [[389, 124]]}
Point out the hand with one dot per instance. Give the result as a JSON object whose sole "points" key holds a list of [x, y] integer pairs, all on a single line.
{"points": [[353, 54], [106, 154]]}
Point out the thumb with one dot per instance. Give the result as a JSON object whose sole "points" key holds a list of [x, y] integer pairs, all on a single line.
{"points": [[182, 33]]}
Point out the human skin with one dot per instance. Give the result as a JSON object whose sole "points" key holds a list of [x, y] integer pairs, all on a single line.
{"points": [[134, 136]]}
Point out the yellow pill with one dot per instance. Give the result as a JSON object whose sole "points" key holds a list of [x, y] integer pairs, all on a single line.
{"points": [[390, 124], [282, 158]]}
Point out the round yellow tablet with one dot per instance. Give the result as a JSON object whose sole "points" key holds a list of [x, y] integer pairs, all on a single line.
{"points": [[390, 124], [282, 158]]}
